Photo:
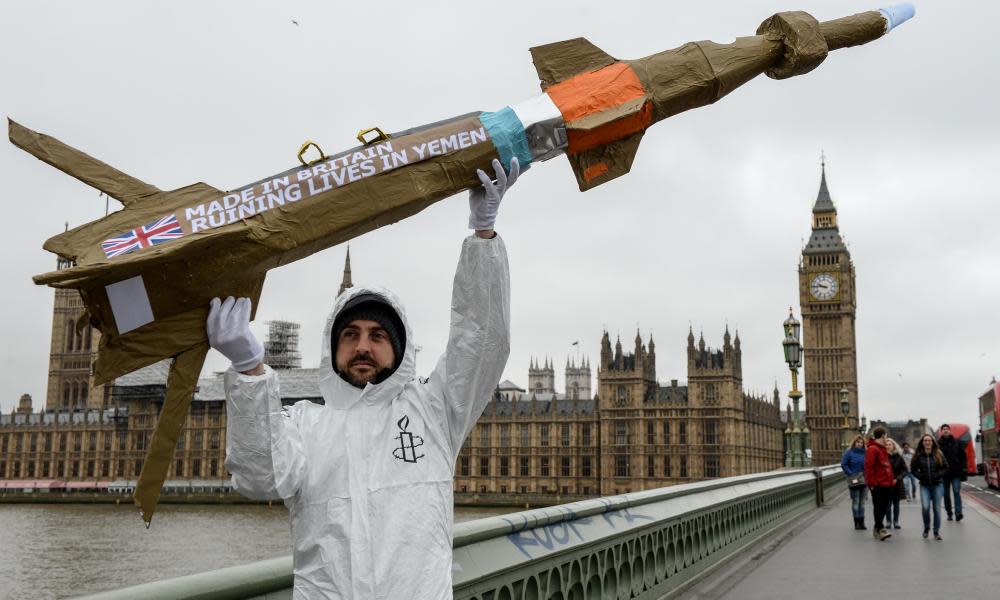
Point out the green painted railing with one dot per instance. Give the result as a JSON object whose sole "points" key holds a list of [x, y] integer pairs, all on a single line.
{"points": [[650, 544], [270, 579]]}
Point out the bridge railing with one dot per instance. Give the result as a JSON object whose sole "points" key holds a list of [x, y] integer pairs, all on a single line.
{"points": [[649, 544]]}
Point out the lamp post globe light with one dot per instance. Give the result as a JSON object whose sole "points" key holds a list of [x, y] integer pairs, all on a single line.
{"points": [[793, 342], [845, 408], [796, 431]]}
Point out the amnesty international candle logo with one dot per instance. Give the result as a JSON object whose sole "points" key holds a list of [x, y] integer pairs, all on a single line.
{"points": [[408, 443]]}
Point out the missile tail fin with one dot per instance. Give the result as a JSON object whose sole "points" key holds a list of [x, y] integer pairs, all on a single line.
{"points": [[561, 60], [601, 164], [124, 188]]}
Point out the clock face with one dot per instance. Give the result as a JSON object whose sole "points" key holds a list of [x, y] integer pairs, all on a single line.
{"points": [[823, 287]]}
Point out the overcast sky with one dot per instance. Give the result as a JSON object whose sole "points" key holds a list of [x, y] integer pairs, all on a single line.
{"points": [[706, 230]]}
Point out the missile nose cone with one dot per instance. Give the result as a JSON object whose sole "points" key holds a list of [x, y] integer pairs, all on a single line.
{"points": [[897, 15]]}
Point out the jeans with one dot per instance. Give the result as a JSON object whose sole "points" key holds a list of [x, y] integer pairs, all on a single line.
{"points": [[892, 511], [881, 496], [858, 501], [954, 486], [930, 497], [910, 485]]}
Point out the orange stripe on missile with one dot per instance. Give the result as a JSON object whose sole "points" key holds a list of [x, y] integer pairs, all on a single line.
{"points": [[602, 91], [590, 93], [595, 171], [619, 129]]}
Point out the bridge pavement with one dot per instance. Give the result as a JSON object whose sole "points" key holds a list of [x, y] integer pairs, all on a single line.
{"points": [[822, 556]]}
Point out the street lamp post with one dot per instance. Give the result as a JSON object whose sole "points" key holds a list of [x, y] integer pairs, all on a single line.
{"points": [[797, 431], [845, 407]]}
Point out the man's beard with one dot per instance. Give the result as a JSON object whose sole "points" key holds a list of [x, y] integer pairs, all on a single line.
{"points": [[358, 380]]}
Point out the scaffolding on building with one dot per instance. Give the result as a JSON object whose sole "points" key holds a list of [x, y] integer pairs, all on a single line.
{"points": [[281, 350]]}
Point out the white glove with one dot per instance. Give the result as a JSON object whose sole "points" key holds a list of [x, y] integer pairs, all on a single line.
{"points": [[229, 332], [485, 200]]}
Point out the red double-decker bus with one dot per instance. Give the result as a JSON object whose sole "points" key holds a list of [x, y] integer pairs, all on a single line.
{"points": [[989, 428]]}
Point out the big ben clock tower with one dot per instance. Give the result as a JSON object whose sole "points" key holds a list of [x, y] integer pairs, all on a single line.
{"points": [[829, 302]]}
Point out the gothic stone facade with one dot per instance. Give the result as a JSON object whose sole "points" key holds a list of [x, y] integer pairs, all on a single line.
{"points": [[91, 444], [632, 435], [73, 349], [904, 431], [110, 444]]}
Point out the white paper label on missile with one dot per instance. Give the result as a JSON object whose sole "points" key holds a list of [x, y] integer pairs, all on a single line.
{"points": [[129, 304], [536, 110], [543, 124]]}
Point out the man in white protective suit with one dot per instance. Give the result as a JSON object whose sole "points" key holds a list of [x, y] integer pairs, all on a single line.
{"points": [[367, 477]]}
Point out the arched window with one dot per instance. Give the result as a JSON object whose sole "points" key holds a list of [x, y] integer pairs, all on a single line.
{"points": [[66, 394], [83, 393], [76, 392], [86, 343], [69, 335], [79, 338]]}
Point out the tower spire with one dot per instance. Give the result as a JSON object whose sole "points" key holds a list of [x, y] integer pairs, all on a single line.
{"points": [[823, 201], [346, 281], [825, 238]]}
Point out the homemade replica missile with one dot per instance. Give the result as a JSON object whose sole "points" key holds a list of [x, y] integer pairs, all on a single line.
{"points": [[146, 273]]}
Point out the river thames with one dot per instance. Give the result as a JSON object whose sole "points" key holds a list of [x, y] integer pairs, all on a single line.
{"points": [[62, 550]]}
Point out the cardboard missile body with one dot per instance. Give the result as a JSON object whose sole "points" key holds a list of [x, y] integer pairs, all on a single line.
{"points": [[146, 273]]}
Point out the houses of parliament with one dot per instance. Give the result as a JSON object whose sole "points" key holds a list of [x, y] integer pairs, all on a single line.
{"points": [[633, 434], [630, 433]]}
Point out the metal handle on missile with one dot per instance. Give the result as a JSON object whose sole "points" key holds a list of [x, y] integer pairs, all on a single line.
{"points": [[304, 147], [378, 138]]}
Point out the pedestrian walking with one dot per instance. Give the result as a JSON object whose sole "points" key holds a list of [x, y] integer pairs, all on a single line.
{"points": [[880, 480], [929, 466], [909, 481], [953, 450], [898, 472], [853, 465]]}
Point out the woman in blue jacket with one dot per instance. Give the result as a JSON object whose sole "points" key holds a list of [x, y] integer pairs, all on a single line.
{"points": [[853, 464]]}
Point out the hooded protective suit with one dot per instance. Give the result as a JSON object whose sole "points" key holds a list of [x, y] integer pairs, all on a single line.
{"points": [[367, 477]]}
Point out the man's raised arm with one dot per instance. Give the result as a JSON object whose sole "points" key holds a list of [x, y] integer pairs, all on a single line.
{"points": [[479, 336], [264, 449]]}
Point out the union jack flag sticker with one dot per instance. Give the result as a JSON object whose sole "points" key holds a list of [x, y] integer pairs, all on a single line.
{"points": [[157, 232]]}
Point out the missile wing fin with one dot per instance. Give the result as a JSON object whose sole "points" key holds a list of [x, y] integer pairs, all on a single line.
{"points": [[561, 60], [82, 244], [181, 385], [124, 188], [601, 164]]}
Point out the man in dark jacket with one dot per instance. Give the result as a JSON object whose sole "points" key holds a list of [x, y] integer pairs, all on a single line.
{"points": [[954, 452], [880, 480]]}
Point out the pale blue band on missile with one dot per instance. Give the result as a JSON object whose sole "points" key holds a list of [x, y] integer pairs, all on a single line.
{"points": [[897, 15], [507, 133]]}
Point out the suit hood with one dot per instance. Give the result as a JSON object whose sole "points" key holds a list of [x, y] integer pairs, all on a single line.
{"points": [[339, 393]]}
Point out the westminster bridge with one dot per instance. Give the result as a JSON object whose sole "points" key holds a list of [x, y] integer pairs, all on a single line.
{"points": [[767, 535]]}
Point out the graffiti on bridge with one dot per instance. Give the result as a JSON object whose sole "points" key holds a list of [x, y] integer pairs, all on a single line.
{"points": [[541, 540]]}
